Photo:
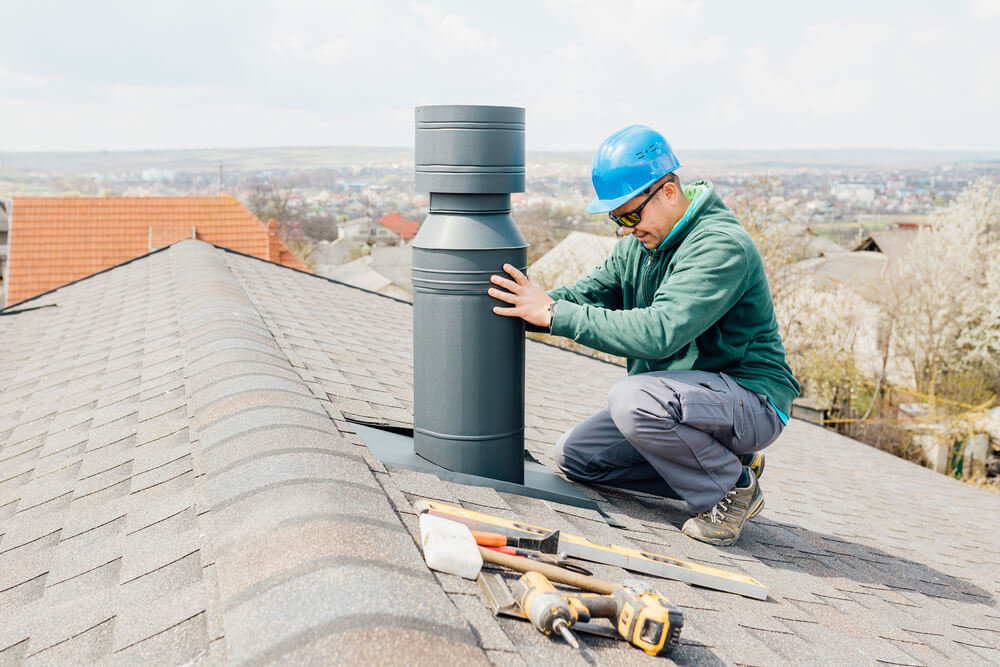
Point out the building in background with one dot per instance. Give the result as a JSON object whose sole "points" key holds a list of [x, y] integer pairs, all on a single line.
{"points": [[390, 230], [56, 240]]}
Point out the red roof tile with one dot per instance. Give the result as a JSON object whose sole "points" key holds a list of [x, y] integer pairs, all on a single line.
{"points": [[56, 240], [406, 229]]}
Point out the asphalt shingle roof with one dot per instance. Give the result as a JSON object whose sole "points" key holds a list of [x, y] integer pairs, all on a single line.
{"points": [[179, 482]]}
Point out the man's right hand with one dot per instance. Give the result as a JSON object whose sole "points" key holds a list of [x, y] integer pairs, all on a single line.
{"points": [[530, 301]]}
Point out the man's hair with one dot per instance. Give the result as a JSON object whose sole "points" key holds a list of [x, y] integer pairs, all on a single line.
{"points": [[670, 178]]}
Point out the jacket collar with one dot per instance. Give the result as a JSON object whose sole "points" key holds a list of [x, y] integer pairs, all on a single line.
{"points": [[699, 194]]}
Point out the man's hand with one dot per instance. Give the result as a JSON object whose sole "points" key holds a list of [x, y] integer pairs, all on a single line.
{"points": [[530, 301]]}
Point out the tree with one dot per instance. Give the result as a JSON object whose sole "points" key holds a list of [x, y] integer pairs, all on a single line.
{"points": [[943, 297], [822, 330], [780, 245], [271, 199]]}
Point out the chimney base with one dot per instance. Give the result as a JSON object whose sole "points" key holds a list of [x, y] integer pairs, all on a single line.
{"points": [[394, 446]]}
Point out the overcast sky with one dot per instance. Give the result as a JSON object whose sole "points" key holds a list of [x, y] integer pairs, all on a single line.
{"points": [[710, 75]]}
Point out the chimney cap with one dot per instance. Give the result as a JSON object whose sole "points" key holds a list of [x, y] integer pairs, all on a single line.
{"points": [[469, 149]]}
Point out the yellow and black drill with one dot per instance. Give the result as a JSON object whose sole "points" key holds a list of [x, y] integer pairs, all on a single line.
{"points": [[642, 616], [545, 607]]}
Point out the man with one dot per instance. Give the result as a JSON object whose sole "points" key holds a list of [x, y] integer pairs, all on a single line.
{"points": [[685, 299]]}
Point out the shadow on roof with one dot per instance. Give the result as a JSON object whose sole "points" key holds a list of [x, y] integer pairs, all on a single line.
{"points": [[790, 546]]}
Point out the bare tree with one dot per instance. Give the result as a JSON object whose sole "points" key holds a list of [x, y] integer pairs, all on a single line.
{"points": [[271, 199], [780, 245]]}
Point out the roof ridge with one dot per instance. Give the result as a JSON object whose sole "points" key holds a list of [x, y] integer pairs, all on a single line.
{"points": [[266, 476], [314, 275]]}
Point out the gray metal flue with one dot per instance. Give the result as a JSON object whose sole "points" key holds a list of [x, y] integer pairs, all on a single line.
{"points": [[468, 363]]}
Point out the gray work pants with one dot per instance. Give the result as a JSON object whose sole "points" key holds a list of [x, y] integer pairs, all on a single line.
{"points": [[676, 434]]}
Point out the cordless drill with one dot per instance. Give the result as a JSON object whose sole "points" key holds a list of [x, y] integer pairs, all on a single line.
{"points": [[642, 616]]}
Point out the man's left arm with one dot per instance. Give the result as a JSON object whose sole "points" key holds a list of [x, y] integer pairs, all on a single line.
{"points": [[704, 286]]}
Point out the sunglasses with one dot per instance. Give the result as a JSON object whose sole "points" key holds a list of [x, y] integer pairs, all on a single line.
{"points": [[632, 218]]}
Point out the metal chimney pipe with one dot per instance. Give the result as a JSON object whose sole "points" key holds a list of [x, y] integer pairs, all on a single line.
{"points": [[468, 363]]}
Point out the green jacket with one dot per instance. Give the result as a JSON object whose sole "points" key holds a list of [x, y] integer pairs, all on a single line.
{"points": [[698, 302]]}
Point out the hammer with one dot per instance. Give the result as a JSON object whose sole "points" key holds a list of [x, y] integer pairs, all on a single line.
{"points": [[450, 548]]}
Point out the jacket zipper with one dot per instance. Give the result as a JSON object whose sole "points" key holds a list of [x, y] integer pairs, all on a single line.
{"points": [[642, 280]]}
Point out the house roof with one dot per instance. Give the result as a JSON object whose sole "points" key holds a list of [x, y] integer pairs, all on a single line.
{"points": [[361, 273], [893, 243], [571, 259], [405, 229], [55, 240], [180, 483], [820, 246], [862, 270]]}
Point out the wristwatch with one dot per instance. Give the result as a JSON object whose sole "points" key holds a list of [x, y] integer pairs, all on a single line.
{"points": [[552, 314]]}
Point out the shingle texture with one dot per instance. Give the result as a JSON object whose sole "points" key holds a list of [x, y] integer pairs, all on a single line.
{"points": [[55, 240], [179, 483]]}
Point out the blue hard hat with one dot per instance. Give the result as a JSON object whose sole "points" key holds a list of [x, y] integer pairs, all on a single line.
{"points": [[628, 162]]}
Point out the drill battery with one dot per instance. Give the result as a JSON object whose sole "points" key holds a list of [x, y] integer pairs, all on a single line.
{"points": [[646, 619]]}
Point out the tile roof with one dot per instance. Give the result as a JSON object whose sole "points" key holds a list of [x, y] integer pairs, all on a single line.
{"points": [[405, 229], [180, 482], [55, 240], [894, 243]]}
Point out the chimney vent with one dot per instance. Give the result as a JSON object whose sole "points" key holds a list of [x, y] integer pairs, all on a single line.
{"points": [[468, 363]]}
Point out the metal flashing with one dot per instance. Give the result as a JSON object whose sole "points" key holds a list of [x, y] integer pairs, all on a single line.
{"points": [[393, 445]]}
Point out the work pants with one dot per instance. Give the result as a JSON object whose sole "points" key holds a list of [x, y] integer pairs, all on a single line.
{"points": [[676, 434]]}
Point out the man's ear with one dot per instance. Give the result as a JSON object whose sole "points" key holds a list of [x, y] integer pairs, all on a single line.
{"points": [[676, 188]]}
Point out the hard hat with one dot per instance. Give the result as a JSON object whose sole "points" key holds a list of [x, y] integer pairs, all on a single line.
{"points": [[628, 162]]}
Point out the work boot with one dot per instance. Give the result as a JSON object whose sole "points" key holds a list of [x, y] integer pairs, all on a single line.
{"points": [[722, 524], [754, 461]]}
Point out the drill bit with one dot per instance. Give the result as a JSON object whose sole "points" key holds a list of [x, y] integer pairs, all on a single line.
{"points": [[560, 626]]}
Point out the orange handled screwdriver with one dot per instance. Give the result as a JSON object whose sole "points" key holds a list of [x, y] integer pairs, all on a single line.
{"points": [[547, 544]]}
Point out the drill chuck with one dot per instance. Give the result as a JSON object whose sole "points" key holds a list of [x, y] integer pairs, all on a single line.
{"points": [[545, 607]]}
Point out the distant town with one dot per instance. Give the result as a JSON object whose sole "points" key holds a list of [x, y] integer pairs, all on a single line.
{"points": [[805, 189]]}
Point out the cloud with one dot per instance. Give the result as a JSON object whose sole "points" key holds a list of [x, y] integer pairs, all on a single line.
{"points": [[447, 34], [846, 83], [351, 71], [984, 10]]}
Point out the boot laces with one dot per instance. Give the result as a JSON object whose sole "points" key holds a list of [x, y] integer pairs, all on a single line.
{"points": [[720, 512]]}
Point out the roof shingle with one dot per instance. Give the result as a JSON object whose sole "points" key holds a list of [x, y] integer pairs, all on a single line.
{"points": [[180, 482]]}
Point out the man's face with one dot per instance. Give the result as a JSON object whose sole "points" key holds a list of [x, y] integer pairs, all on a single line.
{"points": [[658, 217]]}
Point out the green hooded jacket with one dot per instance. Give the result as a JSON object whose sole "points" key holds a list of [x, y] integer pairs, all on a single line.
{"points": [[698, 302]]}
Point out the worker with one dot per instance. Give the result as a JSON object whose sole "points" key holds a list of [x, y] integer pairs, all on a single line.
{"points": [[684, 298]]}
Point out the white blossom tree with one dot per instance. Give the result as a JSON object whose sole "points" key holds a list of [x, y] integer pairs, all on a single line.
{"points": [[943, 299], [829, 337]]}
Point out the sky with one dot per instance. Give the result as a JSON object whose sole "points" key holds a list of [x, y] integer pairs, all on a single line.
{"points": [[134, 74]]}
